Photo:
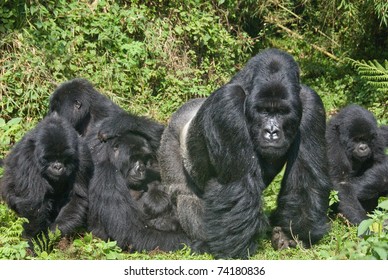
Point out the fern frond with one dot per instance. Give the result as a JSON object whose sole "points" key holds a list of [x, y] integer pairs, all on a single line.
{"points": [[373, 72], [44, 244]]}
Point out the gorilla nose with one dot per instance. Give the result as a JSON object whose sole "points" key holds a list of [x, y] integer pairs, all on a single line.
{"points": [[271, 132], [363, 147], [140, 167], [58, 166]]}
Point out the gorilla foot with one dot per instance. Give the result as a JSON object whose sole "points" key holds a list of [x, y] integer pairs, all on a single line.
{"points": [[280, 240]]}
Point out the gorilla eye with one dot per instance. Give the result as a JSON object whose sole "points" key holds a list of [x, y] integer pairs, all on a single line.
{"points": [[77, 104]]}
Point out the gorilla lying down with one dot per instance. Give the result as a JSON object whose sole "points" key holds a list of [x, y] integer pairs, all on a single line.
{"points": [[47, 175], [126, 202]]}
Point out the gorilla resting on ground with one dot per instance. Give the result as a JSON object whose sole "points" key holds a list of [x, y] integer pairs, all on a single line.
{"points": [[125, 203], [83, 106], [141, 137], [46, 178], [358, 165], [218, 155]]}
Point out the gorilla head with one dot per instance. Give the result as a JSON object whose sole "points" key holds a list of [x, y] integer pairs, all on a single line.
{"points": [[132, 155], [358, 133], [274, 115], [81, 104], [359, 138], [58, 159]]}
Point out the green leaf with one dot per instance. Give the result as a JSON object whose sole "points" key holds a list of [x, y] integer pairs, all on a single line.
{"points": [[381, 252], [364, 226], [383, 205]]}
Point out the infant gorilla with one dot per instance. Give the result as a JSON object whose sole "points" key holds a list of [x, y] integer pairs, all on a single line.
{"points": [[358, 164]]}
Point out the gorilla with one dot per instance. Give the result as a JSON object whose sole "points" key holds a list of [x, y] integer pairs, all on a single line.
{"points": [[46, 178], [358, 165], [137, 158], [125, 201], [81, 104], [218, 154], [144, 128]]}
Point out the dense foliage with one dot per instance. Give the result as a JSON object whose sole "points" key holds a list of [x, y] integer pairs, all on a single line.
{"points": [[151, 56]]}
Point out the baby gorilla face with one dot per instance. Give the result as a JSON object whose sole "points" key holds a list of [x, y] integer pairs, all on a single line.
{"points": [[56, 151], [362, 140], [361, 151], [55, 170], [137, 172]]}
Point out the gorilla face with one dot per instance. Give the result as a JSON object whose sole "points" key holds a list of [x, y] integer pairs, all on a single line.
{"points": [[132, 155], [274, 118], [57, 167], [359, 139], [56, 151]]}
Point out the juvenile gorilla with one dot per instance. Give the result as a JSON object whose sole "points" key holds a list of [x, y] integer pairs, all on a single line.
{"points": [[137, 159], [126, 164], [358, 165], [217, 156], [46, 178], [83, 106]]}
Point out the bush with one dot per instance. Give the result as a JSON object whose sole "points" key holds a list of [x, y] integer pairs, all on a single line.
{"points": [[147, 62]]}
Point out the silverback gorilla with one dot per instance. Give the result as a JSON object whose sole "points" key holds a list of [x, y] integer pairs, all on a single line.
{"points": [[358, 164], [46, 178], [218, 154]]}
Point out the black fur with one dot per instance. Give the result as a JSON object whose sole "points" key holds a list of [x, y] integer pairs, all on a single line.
{"points": [[384, 134], [125, 205], [217, 156], [46, 178], [81, 104], [358, 165]]}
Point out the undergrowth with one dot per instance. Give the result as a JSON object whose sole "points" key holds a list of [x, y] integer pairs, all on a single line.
{"points": [[152, 56]]}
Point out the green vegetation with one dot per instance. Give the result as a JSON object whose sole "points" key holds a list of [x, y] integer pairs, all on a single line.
{"points": [[152, 56]]}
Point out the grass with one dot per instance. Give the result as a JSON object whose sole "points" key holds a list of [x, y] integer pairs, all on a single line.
{"points": [[341, 243]]}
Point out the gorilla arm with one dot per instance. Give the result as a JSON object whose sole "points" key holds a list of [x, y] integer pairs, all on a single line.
{"points": [[224, 166], [306, 180]]}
